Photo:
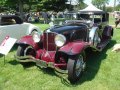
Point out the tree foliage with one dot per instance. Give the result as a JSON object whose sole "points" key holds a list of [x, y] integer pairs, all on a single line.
{"points": [[56, 5], [117, 8], [100, 3], [81, 4], [39, 5], [109, 9]]}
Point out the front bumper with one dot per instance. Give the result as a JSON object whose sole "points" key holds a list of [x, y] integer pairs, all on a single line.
{"points": [[25, 58], [40, 63]]}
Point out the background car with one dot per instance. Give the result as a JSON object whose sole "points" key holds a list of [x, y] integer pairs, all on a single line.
{"points": [[13, 26]]}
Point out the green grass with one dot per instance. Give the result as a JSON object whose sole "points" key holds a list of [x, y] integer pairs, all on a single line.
{"points": [[102, 73], [111, 20], [42, 26]]}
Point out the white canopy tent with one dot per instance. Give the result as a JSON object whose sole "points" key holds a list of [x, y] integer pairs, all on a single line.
{"points": [[91, 8], [93, 11]]}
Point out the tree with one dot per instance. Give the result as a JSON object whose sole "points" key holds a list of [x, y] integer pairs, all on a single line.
{"points": [[17, 5], [54, 5], [109, 9], [76, 4], [100, 3], [81, 4], [39, 5], [2, 5], [117, 8], [115, 4]]}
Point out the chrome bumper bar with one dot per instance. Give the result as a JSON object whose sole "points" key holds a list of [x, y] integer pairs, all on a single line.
{"points": [[40, 63], [25, 58]]}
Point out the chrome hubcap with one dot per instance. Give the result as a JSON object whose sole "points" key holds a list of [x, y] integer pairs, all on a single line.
{"points": [[80, 65]]}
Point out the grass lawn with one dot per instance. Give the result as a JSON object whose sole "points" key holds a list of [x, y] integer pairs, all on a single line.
{"points": [[42, 26], [111, 20], [103, 72]]}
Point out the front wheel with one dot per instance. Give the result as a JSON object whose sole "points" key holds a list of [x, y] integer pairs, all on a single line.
{"points": [[24, 51], [76, 68]]}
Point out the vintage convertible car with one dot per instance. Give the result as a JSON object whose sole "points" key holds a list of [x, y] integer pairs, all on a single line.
{"points": [[13, 26], [64, 47]]}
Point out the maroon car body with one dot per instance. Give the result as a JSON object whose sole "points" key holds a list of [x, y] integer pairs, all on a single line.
{"points": [[63, 47]]}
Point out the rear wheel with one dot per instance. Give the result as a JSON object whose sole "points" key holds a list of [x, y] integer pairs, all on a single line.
{"points": [[76, 68]]}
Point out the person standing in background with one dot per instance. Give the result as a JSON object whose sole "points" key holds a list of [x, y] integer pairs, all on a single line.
{"points": [[45, 17]]}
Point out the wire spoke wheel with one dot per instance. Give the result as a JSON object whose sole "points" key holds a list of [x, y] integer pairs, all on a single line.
{"points": [[79, 66], [75, 68]]}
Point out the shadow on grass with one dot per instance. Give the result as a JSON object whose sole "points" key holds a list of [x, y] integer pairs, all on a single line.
{"points": [[13, 62], [14, 48], [94, 60], [48, 71], [25, 65]]}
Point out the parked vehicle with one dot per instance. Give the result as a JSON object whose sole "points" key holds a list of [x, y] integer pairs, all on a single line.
{"points": [[63, 47], [13, 26]]}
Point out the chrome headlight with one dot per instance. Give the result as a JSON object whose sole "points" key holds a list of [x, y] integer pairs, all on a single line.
{"points": [[36, 37], [60, 40]]}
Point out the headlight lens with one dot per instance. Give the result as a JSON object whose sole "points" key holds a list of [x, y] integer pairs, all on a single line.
{"points": [[36, 37], [60, 40]]}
